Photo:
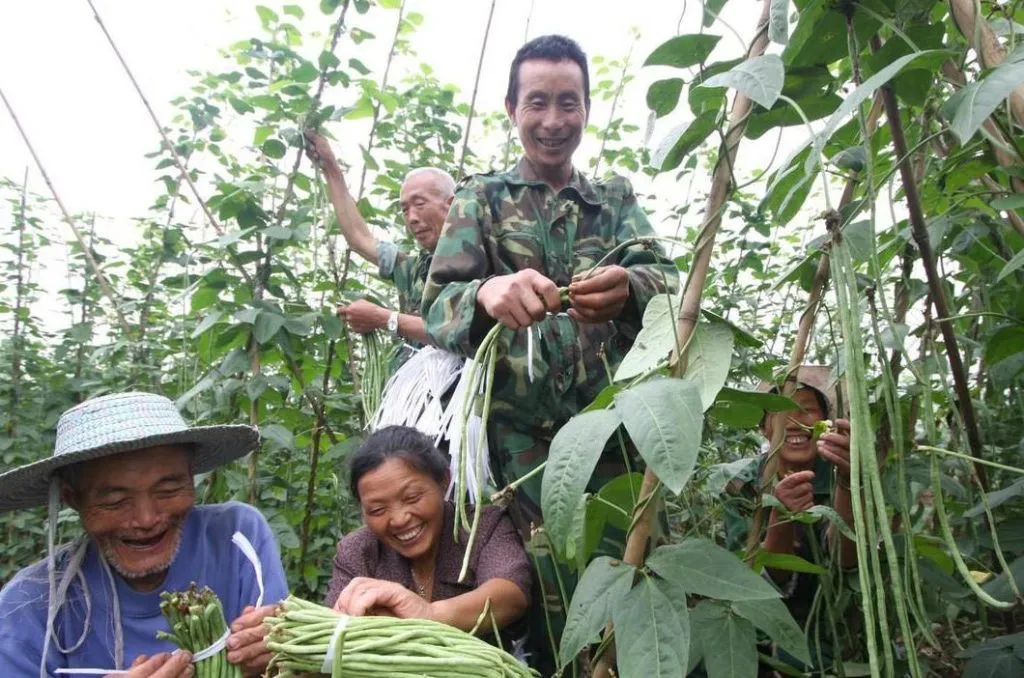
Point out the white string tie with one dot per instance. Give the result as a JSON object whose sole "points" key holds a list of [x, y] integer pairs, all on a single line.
{"points": [[339, 629]]}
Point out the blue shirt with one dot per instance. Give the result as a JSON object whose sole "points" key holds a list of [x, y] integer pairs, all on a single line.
{"points": [[207, 556]]}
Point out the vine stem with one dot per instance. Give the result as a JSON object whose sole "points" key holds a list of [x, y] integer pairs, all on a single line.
{"points": [[476, 87], [919, 230], [108, 291], [615, 103], [689, 311]]}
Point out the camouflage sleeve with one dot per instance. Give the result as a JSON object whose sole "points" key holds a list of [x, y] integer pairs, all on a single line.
{"points": [[648, 267], [460, 265], [388, 257]]}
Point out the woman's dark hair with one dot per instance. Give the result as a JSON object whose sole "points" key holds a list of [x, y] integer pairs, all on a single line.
{"points": [[397, 442], [549, 48]]}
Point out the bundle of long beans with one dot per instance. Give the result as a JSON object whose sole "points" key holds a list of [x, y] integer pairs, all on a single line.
{"points": [[372, 647], [196, 620], [375, 373]]}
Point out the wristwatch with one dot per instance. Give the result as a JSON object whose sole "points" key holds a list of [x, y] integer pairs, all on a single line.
{"points": [[393, 323]]}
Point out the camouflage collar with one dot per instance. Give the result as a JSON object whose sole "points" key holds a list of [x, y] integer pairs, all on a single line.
{"points": [[577, 182]]}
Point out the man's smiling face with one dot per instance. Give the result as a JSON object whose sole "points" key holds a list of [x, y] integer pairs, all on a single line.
{"points": [[134, 506], [550, 113]]}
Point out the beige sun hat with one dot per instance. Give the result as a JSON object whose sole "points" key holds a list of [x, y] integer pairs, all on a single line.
{"points": [[817, 377], [118, 423]]}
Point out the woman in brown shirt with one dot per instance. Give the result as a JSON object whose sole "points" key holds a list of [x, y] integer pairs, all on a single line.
{"points": [[405, 561]]}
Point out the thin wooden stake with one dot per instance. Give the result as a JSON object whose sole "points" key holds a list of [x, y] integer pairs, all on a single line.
{"points": [[108, 291], [476, 86]]}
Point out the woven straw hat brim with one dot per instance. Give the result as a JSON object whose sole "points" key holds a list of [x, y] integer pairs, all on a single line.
{"points": [[28, 486], [818, 377]]}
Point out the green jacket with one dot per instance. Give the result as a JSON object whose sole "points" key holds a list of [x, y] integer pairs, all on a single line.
{"points": [[503, 223], [407, 271]]}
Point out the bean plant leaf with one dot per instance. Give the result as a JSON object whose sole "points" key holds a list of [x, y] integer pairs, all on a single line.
{"points": [[787, 561], [971, 106], [728, 641], [267, 325], [683, 51], [1008, 203], [711, 11], [571, 460], [856, 98], [758, 78], [1012, 265], [682, 140], [209, 321], [997, 498], [650, 639], [773, 617], [663, 95], [1006, 342], [654, 342], [664, 418], [708, 359], [603, 585], [778, 21], [819, 512], [706, 569]]}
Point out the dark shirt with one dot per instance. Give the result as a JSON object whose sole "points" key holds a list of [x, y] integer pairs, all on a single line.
{"points": [[497, 554]]}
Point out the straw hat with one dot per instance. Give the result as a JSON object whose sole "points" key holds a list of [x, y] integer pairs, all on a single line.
{"points": [[118, 423], [817, 377]]}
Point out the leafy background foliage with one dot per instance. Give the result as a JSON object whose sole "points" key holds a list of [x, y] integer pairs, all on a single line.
{"points": [[234, 319]]}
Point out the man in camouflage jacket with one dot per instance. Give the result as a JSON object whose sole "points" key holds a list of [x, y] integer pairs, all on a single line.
{"points": [[424, 198], [510, 243]]}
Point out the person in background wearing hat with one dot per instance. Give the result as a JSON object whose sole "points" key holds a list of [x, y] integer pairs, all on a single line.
{"points": [[125, 464], [802, 473]]}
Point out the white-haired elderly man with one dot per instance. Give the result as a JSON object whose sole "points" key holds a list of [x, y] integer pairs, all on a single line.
{"points": [[424, 199], [125, 464]]}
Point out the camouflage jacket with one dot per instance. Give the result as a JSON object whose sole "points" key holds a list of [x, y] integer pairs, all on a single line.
{"points": [[407, 271], [503, 223]]}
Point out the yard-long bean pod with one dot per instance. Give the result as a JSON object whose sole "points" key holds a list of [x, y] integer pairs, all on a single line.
{"points": [[196, 619], [375, 374], [300, 633]]}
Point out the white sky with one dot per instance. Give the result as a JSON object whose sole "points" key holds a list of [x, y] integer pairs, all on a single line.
{"points": [[91, 130]]}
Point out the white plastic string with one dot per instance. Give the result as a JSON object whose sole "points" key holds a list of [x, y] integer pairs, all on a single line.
{"points": [[529, 352], [328, 665], [246, 547]]}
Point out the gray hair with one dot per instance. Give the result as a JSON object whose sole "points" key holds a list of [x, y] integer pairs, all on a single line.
{"points": [[443, 182]]}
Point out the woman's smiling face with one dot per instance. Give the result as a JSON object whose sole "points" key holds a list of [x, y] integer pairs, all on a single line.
{"points": [[403, 507]]}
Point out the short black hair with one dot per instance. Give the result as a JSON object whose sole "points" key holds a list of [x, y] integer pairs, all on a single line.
{"points": [[397, 442], [549, 48]]}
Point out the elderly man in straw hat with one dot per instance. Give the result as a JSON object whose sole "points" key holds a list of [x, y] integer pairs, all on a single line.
{"points": [[125, 463]]}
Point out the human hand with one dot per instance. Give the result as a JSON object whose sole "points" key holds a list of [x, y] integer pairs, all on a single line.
{"points": [[319, 151], [795, 491], [364, 316], [520, 299], [599, 297], [375, 597], [835, 447], [164, 665], [247, 645]]}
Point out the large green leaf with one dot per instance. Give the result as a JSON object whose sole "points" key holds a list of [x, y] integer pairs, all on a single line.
{"points": [[856, 98], [682, 140], [601, 588], [820, 33], [759, 78], [773, 617], [998, 498], [267, 325], [971, 106], [663, 96], [728, 641], [664, 419], [683, 51], [706, 569], [571, 460], [650, 639], [654, 342], [782, 114], [708, 359], [778, 21], [913, 85], [1005, 343]]}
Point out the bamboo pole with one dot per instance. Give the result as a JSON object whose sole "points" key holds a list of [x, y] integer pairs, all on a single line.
{"points": [[476, 86], [19, 297], [982, 38], [689, 310], [920, 233], [107, 290]]}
